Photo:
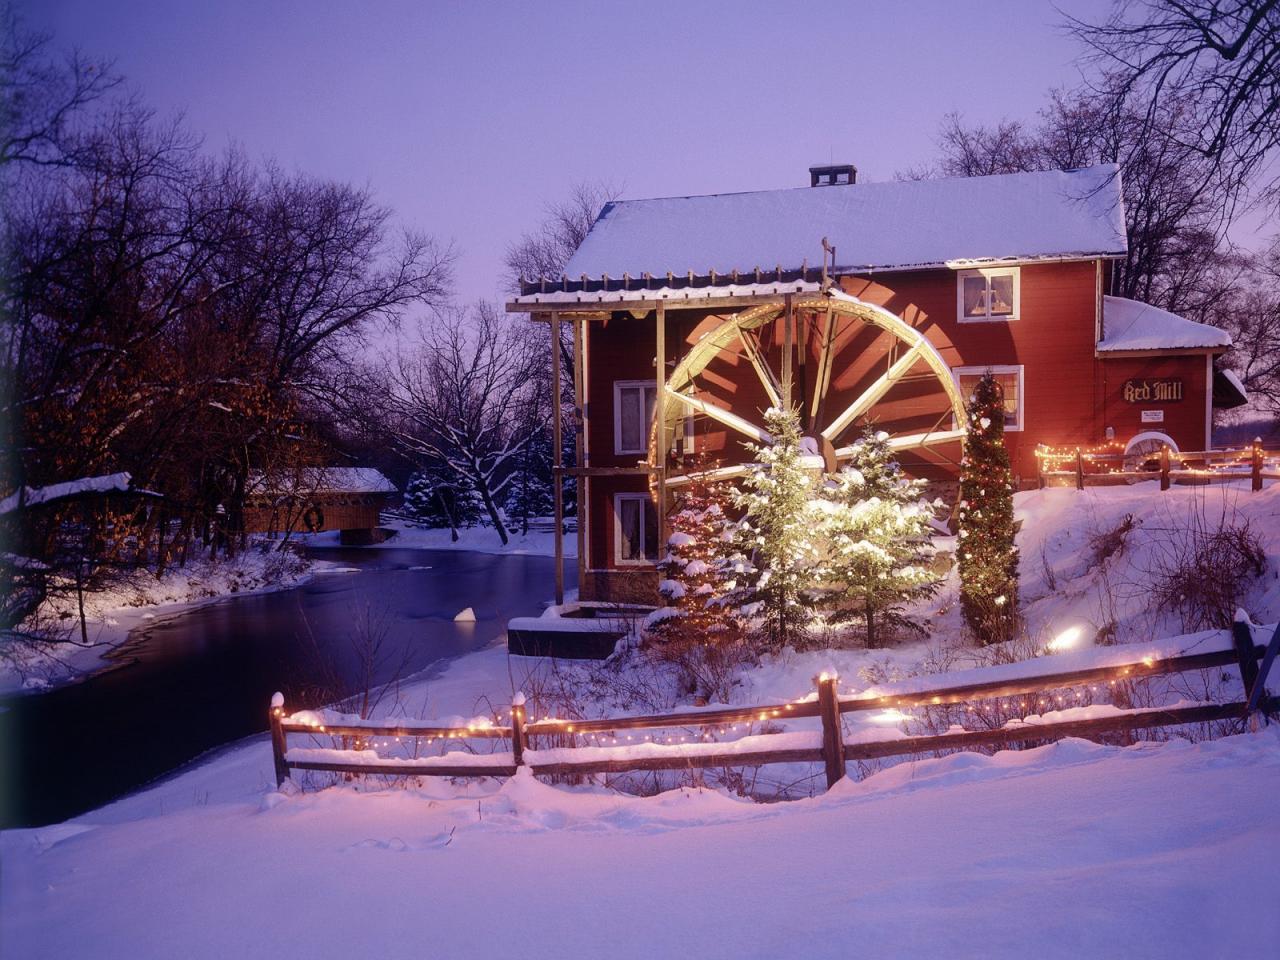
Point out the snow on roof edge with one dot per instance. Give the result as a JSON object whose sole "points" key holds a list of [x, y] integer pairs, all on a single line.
{"points": [[1133, 325]]}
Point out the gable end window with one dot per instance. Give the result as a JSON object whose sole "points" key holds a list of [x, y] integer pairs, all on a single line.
{"points": [[1010, 379], [988, 294]]}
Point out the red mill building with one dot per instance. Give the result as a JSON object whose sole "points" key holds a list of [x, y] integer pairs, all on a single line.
{"points": [[857, 303]]}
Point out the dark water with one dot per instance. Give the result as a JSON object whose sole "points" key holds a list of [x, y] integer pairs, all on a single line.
{"points": [[189, 683]]}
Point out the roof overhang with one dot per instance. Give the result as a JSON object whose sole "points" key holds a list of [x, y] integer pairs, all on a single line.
{"points": [[1162, 352]]}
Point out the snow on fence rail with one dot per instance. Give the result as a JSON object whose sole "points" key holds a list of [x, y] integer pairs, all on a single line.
{"points": [[826, 746], [1094, 468]]}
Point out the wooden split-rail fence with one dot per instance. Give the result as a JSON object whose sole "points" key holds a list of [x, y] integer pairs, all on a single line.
{"points": [[834, 753], [1086, 468]]}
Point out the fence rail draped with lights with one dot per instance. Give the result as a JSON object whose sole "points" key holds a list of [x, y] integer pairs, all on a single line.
{"points": [[830, 749], [1110, 464]]}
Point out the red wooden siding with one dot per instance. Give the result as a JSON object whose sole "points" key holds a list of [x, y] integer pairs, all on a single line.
{"points": [[1069, 395]]}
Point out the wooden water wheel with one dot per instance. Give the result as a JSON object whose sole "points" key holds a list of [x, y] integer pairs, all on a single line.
{"points": [[845, 364]]}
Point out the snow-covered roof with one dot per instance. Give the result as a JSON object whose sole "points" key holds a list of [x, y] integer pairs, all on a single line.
{"points": [[327, 480], [110, 483], [873, 226], [1130, 325]]}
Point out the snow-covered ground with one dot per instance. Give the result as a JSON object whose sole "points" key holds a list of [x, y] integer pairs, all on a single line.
{"points": [[113, 611], [480, 539], [1067, 850]]}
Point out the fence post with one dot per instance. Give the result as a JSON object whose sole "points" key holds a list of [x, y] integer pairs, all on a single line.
{"points": [[832, 740], [1079, 470], [1256, 465], [277, 738], [519, 739], [1164, 467], [1242, 638]]}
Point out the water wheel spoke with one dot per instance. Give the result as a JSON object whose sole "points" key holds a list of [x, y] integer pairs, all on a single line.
{"points": [[728, 418], [872, 394], [822, 379], [722, 473], [910, 441], [751, 347]]}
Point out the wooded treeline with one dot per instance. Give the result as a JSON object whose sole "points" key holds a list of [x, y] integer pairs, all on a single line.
{"points": [[1185, 98], [182, 317]]}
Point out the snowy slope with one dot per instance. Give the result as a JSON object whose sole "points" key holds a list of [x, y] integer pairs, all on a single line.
{"points": [[1071, 850]]}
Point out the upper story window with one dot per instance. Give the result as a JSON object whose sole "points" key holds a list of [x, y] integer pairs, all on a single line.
{"points": [[1010, 379], [633, 403], [633, 406], [988, 294]]}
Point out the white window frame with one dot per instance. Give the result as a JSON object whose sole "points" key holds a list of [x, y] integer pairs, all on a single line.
{"points": [[987, 273], [972, 371], [618, 559], [618, 449]]}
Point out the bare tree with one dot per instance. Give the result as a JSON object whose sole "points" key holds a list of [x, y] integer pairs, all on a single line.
{"points": [[41, 96], [1222, 56], [1251, 312], [471, 398], [1172, 198], [545, 251]]}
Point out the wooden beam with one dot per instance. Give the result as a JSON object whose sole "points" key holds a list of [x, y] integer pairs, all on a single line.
{"points": [[1032, 732], [589, 306], [726, 417], [872, 394], [580, 445], [660, 425], [557, 461], [788, 317]]}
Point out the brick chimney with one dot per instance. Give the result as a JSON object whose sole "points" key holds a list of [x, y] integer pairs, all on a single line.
{"points": [[833, 175]]}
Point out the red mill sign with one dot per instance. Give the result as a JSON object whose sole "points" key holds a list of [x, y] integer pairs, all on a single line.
{"points": [[1153, 391]]}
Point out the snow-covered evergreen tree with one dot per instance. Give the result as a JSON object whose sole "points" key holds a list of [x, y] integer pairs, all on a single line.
{"points": [[434, 500], [531, 493], [988, 557], [776, 554], [875, 531], [694, 569]]}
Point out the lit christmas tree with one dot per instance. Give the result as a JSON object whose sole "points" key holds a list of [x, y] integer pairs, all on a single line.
{"points": [[776, 555], [876, 531], [987, 553], [695, 625]]}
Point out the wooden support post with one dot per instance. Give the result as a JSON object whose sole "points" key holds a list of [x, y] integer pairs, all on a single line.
{"points": [[1255, 471], [1079, 470], [786, 354], [519, 739], [557, 455], [1242, 638], [1164, 467], [581, 483], [278, 747], [832, 740], [660, 426]]}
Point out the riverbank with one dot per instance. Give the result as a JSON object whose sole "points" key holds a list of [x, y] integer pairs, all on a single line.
{"points": [[536, 543], [139, 600]]}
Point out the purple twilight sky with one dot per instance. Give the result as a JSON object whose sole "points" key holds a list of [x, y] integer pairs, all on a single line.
{"points": [[468, 118]]}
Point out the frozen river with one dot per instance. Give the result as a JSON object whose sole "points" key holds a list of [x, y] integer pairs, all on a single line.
{"points": [[190, 683]]}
